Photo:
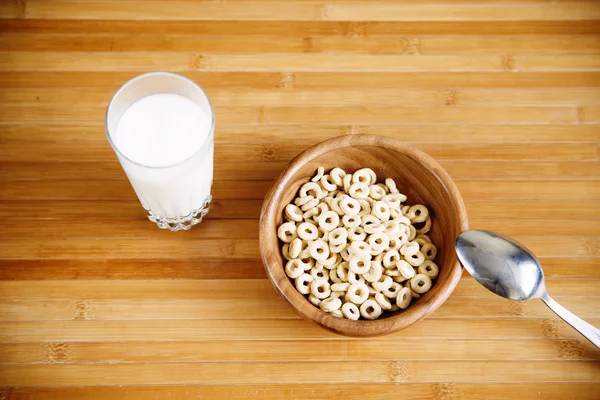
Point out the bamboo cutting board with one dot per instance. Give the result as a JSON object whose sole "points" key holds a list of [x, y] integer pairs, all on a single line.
{"points": [[98, 303]]}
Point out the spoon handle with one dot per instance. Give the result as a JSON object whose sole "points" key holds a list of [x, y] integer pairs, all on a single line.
{"points": [[590, 332]]}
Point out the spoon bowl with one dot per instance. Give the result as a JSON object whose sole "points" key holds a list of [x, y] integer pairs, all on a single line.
{"points": [[509, 269]]}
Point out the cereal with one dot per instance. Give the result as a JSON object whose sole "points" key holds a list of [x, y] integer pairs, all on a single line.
{"points": [[293, 213], [287, 232], [328, 220], [370, 309], [357, 293], [319, 175], [330, 304], [351, 311], [337, 174], [320, 288], [303, 283], [352, 246]]}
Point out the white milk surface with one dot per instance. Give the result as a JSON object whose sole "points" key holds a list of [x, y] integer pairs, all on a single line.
{"points": [[165, 132]]}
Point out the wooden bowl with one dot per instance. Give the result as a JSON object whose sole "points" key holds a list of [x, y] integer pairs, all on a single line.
{"points": [[416, 174]]}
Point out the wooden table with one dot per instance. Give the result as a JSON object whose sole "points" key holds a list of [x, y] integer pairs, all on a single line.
{"points": [[98, 303]]}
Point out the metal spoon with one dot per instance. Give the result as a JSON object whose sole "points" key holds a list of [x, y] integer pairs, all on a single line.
{"points": [[510, 270]]}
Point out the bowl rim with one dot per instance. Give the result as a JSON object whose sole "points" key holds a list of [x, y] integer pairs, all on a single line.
{"points": [[344, 326]]}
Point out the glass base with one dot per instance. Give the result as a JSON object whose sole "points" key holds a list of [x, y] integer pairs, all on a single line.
{"points": [[181, 223]]}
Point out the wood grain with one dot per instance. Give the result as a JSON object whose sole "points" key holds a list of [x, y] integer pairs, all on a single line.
{"points": [[97, 303]]}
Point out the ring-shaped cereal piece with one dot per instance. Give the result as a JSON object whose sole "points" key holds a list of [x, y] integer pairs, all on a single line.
{"points": [[374, 273], [404, 209], [373, 228], [300, 201], [402, 220], [429, 268], [313, 212], [337, 176], [340, 287], [303, 283], [389, 182], [355, 278], [359, 264], [349, 206], [305, 252], [359, 191], [369, 220], [395, 242], [416, 259], [357, 293], [379, 241], [323, 235], [331, 304], [392, 291], [328, 220], [392, 228], [338, 236], [393, 272], [347, 182], [351, 311], [390, 258], [285, 251], [311, 204], [319, 174], [359, 247], [392, 201], [383, 301], [362, 176], [320, 288], [381, 210], [376, 192], [405, 269], [337, 313], [333, 276], [311, 189], [365, 207], [395, 213], [351, 221], [409, 249], [335, 206], [420, 283], [295, 248], [332, 260], [319, 250], [287, 232], [346, 255], [293, 269], [293, 213], [384, 284], [356, 233], [307, 231], [314, 300], [306, 263], [370, 309], [337, 248], [426, 228], [332, 193], [319, 272], [424, 237], [422, 242], [399, 279], [418, 213], [412, 233], [429, 251], [404, 298], [328, 183], [342, 271]]}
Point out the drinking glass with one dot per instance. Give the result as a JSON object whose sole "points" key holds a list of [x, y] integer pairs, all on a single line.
{"points": [[175, 196]]}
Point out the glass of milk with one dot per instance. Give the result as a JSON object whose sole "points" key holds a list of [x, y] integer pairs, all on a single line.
{"points": [[161, 126]]}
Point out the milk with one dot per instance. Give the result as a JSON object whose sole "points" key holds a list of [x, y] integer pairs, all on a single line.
{"points": [[166, 147]]}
